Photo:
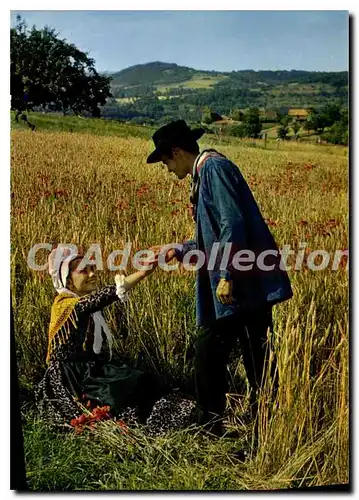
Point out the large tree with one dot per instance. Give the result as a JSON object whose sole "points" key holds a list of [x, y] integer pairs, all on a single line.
{"points": [[317, 121], [330, 114], [252, 123], [51, 73]]}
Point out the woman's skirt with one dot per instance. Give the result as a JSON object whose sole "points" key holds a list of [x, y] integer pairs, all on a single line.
{"points": [[66, 386]]}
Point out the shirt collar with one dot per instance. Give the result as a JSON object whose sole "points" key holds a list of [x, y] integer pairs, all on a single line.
{"points": [[194, 171]]}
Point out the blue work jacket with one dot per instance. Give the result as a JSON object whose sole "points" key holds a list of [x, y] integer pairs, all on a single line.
{"points": [[225, 211]]}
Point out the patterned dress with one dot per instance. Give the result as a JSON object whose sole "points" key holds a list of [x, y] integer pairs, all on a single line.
{"points": [[76, 375]]}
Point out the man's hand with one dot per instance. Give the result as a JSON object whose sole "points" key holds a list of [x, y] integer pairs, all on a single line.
{"points": [[224, 291], [157, 249]]}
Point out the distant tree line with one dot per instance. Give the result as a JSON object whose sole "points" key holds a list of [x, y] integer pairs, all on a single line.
{"points": [[251, 78]]}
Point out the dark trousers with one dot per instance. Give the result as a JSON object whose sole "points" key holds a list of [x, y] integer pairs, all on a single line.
{"points": [[212, 350]]}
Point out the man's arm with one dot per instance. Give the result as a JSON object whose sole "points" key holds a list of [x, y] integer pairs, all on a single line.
{"points": [[221, 183]]}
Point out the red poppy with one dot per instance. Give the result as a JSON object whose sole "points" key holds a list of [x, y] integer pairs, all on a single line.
{"points": [[122, 424], [271, 222], [82, 419]]}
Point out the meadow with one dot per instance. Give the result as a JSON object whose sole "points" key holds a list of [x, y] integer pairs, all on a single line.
{"points": [[89, 186], [199, 81]]}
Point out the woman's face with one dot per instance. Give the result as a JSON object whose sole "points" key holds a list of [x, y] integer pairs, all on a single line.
{"points": [[82, 281]]}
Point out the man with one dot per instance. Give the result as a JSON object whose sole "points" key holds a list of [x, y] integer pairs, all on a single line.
{"points": [[232, 301]]}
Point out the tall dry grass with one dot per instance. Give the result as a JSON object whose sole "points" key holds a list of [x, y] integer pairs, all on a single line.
{"points": [[83, 189]]}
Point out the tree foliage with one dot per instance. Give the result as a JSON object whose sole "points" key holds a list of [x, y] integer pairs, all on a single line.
{"points": [[330, 114], [237, 130], [295, 125], [337, 134], [286, 120], [338, 131], [252, 123], [282, 132], [48, 72], [237, 114], [209, 116]]}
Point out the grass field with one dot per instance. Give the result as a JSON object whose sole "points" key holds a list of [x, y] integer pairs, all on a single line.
{"points": [[52, 122], [164, 97], [126, 100], [86, 187], [196, 82]]}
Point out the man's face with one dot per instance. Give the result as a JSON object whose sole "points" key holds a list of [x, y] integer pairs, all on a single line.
{"points": [[178, 164]]}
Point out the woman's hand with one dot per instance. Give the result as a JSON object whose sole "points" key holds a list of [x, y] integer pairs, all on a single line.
{"points": [[147, 264]]}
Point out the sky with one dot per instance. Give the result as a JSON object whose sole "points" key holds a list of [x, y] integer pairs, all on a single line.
{"points": [[206, 40]]}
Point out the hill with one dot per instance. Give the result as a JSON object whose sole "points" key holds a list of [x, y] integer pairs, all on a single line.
{"points": [[153, 73], [160, 73], [159, 91]]}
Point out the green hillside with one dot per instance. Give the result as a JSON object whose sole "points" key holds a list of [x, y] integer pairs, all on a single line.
{"points": [[156, 73], [158, 91]]}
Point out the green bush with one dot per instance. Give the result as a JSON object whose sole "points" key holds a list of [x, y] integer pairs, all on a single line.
{"points": [[337, 134], [282, 132], [237, 130]]}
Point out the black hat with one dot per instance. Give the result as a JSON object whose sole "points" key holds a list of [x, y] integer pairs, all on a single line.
{"points": [[174, 134]]}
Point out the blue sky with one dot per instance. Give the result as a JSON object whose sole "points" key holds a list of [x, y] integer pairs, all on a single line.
{"points": [[219, 40]]}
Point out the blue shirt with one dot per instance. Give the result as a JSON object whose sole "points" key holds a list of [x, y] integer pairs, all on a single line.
{"points": [[226, 212]]}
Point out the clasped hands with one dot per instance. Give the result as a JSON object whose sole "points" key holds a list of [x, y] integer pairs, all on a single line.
{"points": [[224, 291]]}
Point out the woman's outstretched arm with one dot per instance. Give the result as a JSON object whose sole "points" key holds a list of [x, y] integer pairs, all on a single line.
{"points": [[106, 296]]}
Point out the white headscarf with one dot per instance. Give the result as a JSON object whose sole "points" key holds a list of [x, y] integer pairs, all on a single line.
{"points": [[59, 268]]}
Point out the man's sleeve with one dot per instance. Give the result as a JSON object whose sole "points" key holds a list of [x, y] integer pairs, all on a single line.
{"points": [[187, 246], [221, 183]]}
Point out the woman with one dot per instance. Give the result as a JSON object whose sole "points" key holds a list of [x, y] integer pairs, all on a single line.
{"points": [[80, 367]]}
